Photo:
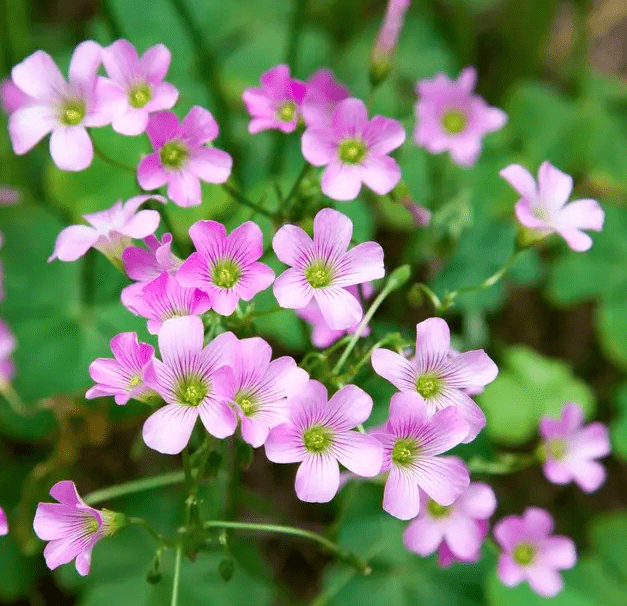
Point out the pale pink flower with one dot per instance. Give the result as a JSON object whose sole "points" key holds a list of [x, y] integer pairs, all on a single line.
{"points": [[412, 442], [141, 78], [543, 207], [11, 97], [440, 378], [531, 553], [72, 527], [324, 92], [457, 531], [277, 103], [226, 267], [322, 268], [145, 264], [110, 231], [7, 346], [181, 157], [66, 109], [450, 117], [571, 450], [319, 434], [354, 150]]}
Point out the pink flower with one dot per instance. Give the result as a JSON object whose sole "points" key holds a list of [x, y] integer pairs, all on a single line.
{"points": [[122, 377], [451, 118], [323, 94], [195, 381], [145, 265], [354, 151], [420, 214], [262, 388], [277, 103], [72, 527], [412, 440], [387, 40], [226, 267], [319, 435], [321, 335], [439, 377], [11, 97], [570, 449], [164, 298], [110, 232], [8, 195], [456, 531], [322, 268], [531, 554], [4, 525], [181, 159], [543, 209], [7, 346], [142, 81], [446, 557], [65, 109]]}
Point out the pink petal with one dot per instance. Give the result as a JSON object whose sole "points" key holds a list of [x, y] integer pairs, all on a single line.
{"points": [[332, 232], [589, 475], [121, 61], [339, 308], [466, 150], [349, 407], [408, 409], [4, 525], [509, 531], [63, 551], [292, 290], [422, 536], [143, 224], [472, 414], [554, 186], [478, 501], [38, 76], [29, 125], [218, 418], [71, 148], [208, 237], [463, 536], [383, 135], [164, 96], [557, 472], [256, 278], [150, 172], [319, 146], [525, 215], [467, 79], [509, 573], [592, 441], [341, 181], [284, 444], [546, 582], [361, 264], [538, 522], [442, 478], [131, 123], [350, 118], [471, 369], [583, 214], [317, 479], [168, 430], [162, 127], [292, 245], [395, 368], [83, 561], [576, 240], [73, 242], [361, 454], [446, 429], [155, 63], [558, 552], [380, 173], [108, 102], [210, 164], [84, 64], [184, 189], [181, 339], [433, 343], [65, 492], [245, 242], [199, 126], [401, 497]]}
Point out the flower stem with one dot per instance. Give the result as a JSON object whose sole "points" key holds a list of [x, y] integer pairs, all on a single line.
{"points": [[397, 278], [505, 463], [345, 556], [242, 199], [111, 161], [121, 490], [303, 173], [177, 575]]}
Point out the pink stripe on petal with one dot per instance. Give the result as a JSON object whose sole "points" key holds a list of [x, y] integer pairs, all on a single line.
{"points": [[332, 233], [245, 243], [168, 430], [433, 343], [209, 238], [256, 278], [292, 290], [401, 497], [361, 454], [218, 418], [361, 264], [471, 369], [292, 245], [339, 308], [395, 368], [349, 407], [442, 478], [445, 430], [317, 479], [180, 342], [284, 444]]}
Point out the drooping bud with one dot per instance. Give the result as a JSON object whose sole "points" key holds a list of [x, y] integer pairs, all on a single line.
{"points": [[387, 40]]}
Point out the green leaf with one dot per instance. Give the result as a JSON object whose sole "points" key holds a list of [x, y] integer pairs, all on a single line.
{"points": [[618, 427], [529, 385]]}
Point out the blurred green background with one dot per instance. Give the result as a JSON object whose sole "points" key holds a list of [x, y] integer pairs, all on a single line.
{"points": [[557, 325]]}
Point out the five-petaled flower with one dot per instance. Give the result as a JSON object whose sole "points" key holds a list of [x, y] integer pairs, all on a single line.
{"points": [[319, 434], [323, 94], [412, 442], [440, 378], [181, 159], [322, 268], [66, 109], [531, 553], [543, 208], [226, 267], [570, 449], [72, 527], [146, 265], [354, 150], [451, 118]]}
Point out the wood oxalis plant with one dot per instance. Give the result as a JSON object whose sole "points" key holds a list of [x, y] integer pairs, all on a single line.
{"points": [[206, 382]]}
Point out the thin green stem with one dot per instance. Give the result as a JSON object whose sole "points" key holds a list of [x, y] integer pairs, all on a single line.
{"points": [[242, 199], [177, 575], [264, 312], [342, 554], [121, 490], [187, 470], [505, 463], [292, 193], [111, 161], [155, 535], [13, 398]]}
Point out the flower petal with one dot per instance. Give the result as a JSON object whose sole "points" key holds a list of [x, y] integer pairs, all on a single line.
{"points": [[212, 165], [521, 180], [28, 125], [471, 369], [350, 118], [433, 344], [292, 245], [509, 573], [319, 146], [292, 290], [71, 148], [218, 418], [478, 501], [180, 342], [546, 582], [554, 186], [84, 64], [395, 368], [339, 308], [73, 242], [442, 478], [380, 173], [558, 552], [284, 444], [168, 430], [184, 189], [361, 264], [317, 479], [199, 126], [422, 536], [401, 497], [150, 172], [162, 127], [361, 454], [155, 62], [349, 407], [38, 76], [341, 181]]}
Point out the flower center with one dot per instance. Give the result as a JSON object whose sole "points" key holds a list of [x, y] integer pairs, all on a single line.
{"points": [[173, 154], [316, 439], [135, 382], [139, 95], [454, 121], [225, 274], [436, 510], [404, 451], [318, 275], [247, 403], [286, 111], [72, 112], [524, 554], [556, 448], [427, 386], [90, 524], [352, 151], [192, 391]]}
